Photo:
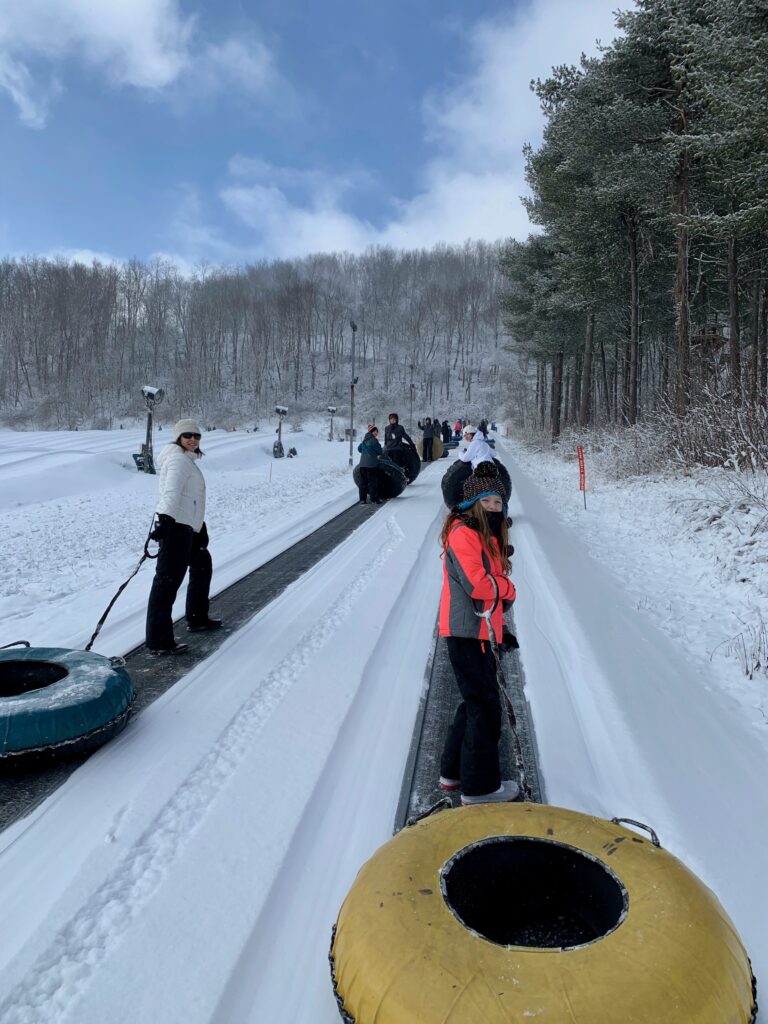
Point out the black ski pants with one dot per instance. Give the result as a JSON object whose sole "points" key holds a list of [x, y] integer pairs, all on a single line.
{"points": [[369, 483], [427, 442], [179, 551], [471, 751], [397, 455]]}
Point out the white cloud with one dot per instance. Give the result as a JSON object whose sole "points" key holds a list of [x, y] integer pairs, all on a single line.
{"points": [[31, 99], [471, 186], [244, 63], [84, 256], [144, 44]]}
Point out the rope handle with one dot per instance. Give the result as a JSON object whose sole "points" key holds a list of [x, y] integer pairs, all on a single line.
{"points": [[16, 643], [443, 804]]}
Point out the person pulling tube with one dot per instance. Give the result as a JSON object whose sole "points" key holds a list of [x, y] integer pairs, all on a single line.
{"points": [[395, 439], [475, 539], [183, 538]]}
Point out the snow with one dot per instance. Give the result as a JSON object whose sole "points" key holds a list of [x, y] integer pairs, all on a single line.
{"points": [[192, 869]]}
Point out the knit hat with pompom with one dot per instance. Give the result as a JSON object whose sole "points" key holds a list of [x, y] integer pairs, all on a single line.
{"points": [[483, 483]]}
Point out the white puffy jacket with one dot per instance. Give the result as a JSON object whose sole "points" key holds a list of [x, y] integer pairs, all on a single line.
{"points": [[479, 451], [182, 486]]}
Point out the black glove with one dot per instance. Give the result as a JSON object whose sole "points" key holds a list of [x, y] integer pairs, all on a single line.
{"points": [[162, 527], [200, 539], [510, 550], [506, 605], [509, 641]]}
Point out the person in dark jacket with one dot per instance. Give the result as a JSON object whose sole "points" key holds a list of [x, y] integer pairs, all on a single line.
{"points": [[370, 449], [482, 426], [395, 439], [475, 580], [427, 429], [446, 431]]}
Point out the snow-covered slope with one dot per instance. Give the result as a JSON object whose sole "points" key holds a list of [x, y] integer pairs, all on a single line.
{"points": [[191, 870]]}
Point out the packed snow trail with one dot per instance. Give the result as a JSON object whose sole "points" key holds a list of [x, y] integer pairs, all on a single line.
{"points": [[177, 834], [627, 727]]}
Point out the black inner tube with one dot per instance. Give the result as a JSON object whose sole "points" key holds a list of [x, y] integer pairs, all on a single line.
{"points": [[17, 677], [518, 891]]}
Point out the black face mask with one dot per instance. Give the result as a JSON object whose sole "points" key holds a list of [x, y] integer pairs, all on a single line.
{"points": [[495, 521]]}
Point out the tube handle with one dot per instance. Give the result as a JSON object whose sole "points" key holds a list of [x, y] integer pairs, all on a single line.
{"points": [[638, 824]]}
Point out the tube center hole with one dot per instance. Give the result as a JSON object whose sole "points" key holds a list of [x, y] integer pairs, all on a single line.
{"points": [[17, 677], [518, 891]]}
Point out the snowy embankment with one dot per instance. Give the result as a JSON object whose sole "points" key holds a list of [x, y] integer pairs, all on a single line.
{"points": [[633, 716], [191, 870]]}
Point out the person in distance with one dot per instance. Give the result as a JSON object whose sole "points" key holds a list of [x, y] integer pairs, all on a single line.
{"points": [[428, 434], [182, 535], [478, 451], [370, 449], [395, 439]]}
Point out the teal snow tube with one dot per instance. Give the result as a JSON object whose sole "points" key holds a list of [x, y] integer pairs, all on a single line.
{"points": [[56, 702]]}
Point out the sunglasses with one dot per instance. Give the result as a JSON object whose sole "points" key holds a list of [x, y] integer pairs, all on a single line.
{"points": [[188, 436]]}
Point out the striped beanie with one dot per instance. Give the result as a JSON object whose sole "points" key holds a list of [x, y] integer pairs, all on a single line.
{"points": [[483, 483]]}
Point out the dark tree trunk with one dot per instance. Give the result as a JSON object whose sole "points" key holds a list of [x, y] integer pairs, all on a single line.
{"points": [[734, 361], [634, 322], [682, 288], [586, 373], [557, 394], [763, 358], [754, 339]]}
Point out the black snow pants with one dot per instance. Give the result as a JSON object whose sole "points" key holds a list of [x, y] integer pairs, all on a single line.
{"points": [[427, 442], [471, 751], [369, 483], [396, 455], [180, 551]]}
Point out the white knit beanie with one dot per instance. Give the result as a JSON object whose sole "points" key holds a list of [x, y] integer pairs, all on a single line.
{"points": [[469, 429], [186, 427]]}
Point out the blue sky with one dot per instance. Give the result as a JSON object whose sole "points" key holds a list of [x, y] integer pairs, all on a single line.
{"points": [[233, 131]]}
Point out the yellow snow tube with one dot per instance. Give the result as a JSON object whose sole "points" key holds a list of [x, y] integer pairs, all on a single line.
{"points": [[506, 913], [437, 448]]}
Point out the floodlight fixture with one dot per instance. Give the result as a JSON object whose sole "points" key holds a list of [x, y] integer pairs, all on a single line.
{"points": [[152, 396], [144, 460]]}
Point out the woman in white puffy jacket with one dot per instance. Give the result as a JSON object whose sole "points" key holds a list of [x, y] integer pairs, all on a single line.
{"points": [[183, 540]]}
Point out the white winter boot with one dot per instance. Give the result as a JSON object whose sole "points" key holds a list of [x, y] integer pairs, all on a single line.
{"points": [[507, 791]]}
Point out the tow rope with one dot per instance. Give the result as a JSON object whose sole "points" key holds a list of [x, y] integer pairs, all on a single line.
{"points": [[505, 698], [108, 609]]}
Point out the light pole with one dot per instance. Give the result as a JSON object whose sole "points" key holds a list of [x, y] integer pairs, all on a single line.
{"points": [[332, 411], [353, 325], [410, 421], [277, 448], [145, 462]]}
